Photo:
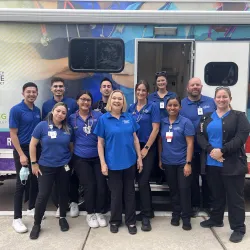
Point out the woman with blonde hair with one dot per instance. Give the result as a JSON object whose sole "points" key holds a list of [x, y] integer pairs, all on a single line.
{"points": [[119, 149]]}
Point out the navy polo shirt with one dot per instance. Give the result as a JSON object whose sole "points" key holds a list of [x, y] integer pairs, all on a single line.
{"points": [[119, 141], [175, 152], [55, 151], [149, 114], [215, 137], [48, 105], [85, 145], [154, 97], [25, 120]]}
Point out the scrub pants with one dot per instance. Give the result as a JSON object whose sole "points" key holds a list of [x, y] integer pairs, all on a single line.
{"points": [[60, 176], [180, 190], [94, 183], [228, 188], [200, 197], [31, 187], [122, 185], [143, 181]]}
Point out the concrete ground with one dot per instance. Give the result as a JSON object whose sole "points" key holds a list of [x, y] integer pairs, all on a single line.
{"points": [[162, 237]]}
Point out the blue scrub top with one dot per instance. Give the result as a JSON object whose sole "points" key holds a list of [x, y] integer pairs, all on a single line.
{"points": [[25, 120], [55, 151], [215, 136], [149, 114], [154, 97], [119, 141], [48, 105], [85, 145], [175, 152]]}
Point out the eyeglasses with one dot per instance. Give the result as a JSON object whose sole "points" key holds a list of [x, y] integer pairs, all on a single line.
{"points": [[161, 73], [58, 86], [222, 87], [85, 100]]}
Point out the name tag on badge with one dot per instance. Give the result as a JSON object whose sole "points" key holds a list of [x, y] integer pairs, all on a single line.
{"points": [[66, 167], [53, 134], [161, 105], [200, 111], [169, 136]]}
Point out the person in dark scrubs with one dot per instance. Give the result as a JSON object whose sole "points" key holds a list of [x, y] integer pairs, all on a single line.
{"points": [[147, 115], [176, 144], [116, 131], [221, 136]]}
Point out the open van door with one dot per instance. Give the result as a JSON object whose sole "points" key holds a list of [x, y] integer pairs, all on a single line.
{"points": [[224, 64]]}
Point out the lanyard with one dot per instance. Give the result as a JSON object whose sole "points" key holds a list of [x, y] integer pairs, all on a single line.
{"points": [[87, 125]]}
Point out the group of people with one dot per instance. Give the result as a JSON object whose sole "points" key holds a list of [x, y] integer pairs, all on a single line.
{"points": [[107, 146]]}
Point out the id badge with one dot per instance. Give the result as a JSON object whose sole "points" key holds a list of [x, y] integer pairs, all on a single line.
{"points": [[200, 111], [169, 136], [49, 133], [161, 105], [66, 167], [53, 134]]}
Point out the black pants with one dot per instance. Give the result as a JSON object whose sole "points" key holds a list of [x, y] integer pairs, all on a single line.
{"points": [[143, 181], [201, 197], [31, 187], [90, 176], [60, 176], [122, 183], [180, 190], [231, 189]]}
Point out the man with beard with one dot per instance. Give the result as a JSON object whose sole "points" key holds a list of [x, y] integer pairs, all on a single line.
{"points": [[106, 88], [193, 107]]}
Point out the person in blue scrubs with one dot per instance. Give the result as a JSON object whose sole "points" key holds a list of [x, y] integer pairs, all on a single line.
{"points": [[176, 143], [85, 160], [222, 135], [55, 136], [22, 120], [58, 89], [147, 115], [119, 150], [193, 107]]}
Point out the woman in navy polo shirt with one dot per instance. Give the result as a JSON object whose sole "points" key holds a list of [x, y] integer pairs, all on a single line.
{"points": [[55, 137], [118, 146], [85, 159], [147, 115], [176, 145]]}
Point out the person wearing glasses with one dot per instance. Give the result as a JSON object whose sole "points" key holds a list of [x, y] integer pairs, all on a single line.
{"points": [[147, 115], [85, 160], [193, 107], [58, 90], [221, 136], [175, 153], [119, 150]]}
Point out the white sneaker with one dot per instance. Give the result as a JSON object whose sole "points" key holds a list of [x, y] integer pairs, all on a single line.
{"points": [[92, 220], [19, 227], [31, 212], [101, 220], [74, 210], [58, 212]]}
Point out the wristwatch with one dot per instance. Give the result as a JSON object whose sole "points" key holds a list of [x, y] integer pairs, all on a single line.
{"points": [[147, 147], [33, 162], [188, 162]]}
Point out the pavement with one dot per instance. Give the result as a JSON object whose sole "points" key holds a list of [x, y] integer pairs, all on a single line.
{"points": [[162, 237]]}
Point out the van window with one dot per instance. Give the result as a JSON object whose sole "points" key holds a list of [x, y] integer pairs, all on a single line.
{"points": [[221, 73]]}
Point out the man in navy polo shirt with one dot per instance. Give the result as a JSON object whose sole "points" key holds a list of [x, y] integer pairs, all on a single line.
{"points": [[23, 119], [58, 90], [193, 107]]}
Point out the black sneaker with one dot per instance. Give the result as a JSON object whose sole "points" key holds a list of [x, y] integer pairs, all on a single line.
{"points": [[140, 216], [186, 225], [195, 212], [132, 229], [114, 228], [34, 234], [209, 223], [63, 224], [175, 221], [236, 237], [145, 225]]}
